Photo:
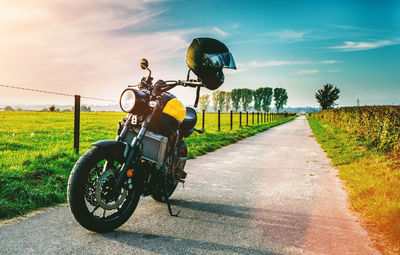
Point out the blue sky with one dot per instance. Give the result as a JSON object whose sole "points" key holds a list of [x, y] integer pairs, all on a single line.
{"points": [[93, 48]]}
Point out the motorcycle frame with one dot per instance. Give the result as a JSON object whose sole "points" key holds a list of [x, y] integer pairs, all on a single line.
{"points": [[132, 151]]}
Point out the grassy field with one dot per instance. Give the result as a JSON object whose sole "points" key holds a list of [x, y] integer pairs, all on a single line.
{"points": [[36, 152], [372, 177]]}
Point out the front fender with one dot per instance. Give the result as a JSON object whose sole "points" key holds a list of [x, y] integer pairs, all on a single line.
{"points": [[114, 145]]}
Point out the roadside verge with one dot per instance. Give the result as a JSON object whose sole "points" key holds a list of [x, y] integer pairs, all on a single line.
{"points": [[372, 179]]}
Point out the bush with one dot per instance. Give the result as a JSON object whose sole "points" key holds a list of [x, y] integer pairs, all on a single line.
{"points": [[379, 124]]}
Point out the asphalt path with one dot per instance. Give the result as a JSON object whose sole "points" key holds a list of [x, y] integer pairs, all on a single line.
{"points": [[273, 193]]}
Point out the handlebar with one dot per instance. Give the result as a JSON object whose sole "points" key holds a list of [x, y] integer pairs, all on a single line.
{"points": [[193, 84], [163, 86]]}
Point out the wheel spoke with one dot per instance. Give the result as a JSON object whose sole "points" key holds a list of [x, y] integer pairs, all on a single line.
{"points": [[97, 207]]}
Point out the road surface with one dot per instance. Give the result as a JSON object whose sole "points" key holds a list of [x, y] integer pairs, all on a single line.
{"points": [[273, 193]]}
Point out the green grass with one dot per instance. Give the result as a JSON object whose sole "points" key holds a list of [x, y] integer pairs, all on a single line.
{"points": [[372, 178], [36, 151]]}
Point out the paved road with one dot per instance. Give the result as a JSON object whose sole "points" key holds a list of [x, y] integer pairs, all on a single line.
{"points": [[273, 193]]}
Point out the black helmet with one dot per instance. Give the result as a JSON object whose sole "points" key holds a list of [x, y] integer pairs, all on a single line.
{"points": [[206, 57]]}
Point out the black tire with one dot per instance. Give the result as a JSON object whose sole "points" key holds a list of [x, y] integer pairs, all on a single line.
{"points": [[79, 183]]}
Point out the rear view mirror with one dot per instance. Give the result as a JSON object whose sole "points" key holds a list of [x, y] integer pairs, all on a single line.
{"points": [[144, 64]]}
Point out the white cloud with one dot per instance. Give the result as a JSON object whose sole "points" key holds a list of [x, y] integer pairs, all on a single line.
{"points": [[330, 61], [234, 26], [243, 67], [220, 31], [310, 71], [275, 63], [288, 35], [271, 63], [77, 46], [356, 46]]}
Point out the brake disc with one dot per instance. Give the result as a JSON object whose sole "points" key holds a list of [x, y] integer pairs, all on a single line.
{"points": [[103, 188]]}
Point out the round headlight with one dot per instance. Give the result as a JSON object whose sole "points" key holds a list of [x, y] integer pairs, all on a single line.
{"points": [[127, 101]]}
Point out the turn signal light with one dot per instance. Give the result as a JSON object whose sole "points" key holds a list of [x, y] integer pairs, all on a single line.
{"points": [[129, 173]]}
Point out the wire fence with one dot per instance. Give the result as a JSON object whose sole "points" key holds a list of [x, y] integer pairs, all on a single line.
{"points": [[219, 121], [47, 127]]}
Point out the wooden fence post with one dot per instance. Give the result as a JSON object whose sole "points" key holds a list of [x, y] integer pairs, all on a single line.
{"points": [[252, 120], [240, 118], [77, 117], [204, 115], [258, 118], [231, 119], [247, 118], [219, 120]]}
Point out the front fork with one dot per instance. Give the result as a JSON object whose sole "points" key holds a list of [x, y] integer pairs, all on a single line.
{"points": [[132, 151]]}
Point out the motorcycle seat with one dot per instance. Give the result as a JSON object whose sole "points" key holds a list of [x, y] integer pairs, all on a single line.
{"points": [[189, 122]]}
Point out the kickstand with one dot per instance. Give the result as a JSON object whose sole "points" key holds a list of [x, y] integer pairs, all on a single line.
{"points": [[167, 200]]}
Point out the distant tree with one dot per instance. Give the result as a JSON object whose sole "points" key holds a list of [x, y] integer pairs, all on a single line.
{"points": [[19, 109], [247, 98], [236, 96], [221, 100], [85, 108], [215, 100], [8, 108], [358, 102], [258, 96], [52, 108], [204, 102], [45, 110], [266, 98], [280, 98], [327, 96], [228, 99]]}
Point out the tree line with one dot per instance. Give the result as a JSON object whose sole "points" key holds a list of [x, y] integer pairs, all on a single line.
{"points": [[243, 98]]}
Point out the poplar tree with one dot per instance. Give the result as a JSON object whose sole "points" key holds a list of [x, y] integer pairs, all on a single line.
{"points": [[280, 97], [236, 96]]}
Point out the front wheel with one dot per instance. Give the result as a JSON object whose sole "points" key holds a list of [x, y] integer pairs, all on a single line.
{"points": [[89, 191]]}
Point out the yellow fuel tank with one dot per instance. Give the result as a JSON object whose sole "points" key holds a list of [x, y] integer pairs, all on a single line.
{"points": [[175, 109]]}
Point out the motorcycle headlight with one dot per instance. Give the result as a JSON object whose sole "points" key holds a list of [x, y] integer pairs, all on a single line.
{"points": [[132, 100]]}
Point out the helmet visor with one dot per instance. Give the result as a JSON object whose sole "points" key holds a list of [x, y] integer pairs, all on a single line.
{"points": [[220, 60]]}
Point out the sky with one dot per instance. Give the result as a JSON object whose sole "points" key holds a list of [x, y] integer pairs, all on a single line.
{"points": [[93, 48]]}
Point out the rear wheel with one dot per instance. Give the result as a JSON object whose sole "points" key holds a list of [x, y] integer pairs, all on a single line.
{"points": [[89, 191]]}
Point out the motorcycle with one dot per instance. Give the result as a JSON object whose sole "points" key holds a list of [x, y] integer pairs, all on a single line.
{"points": [[149, 154]]}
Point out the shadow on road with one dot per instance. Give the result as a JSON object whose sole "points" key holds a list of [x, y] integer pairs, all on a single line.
{"points": [[221, 209], [163, 244], [285, 228]]}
